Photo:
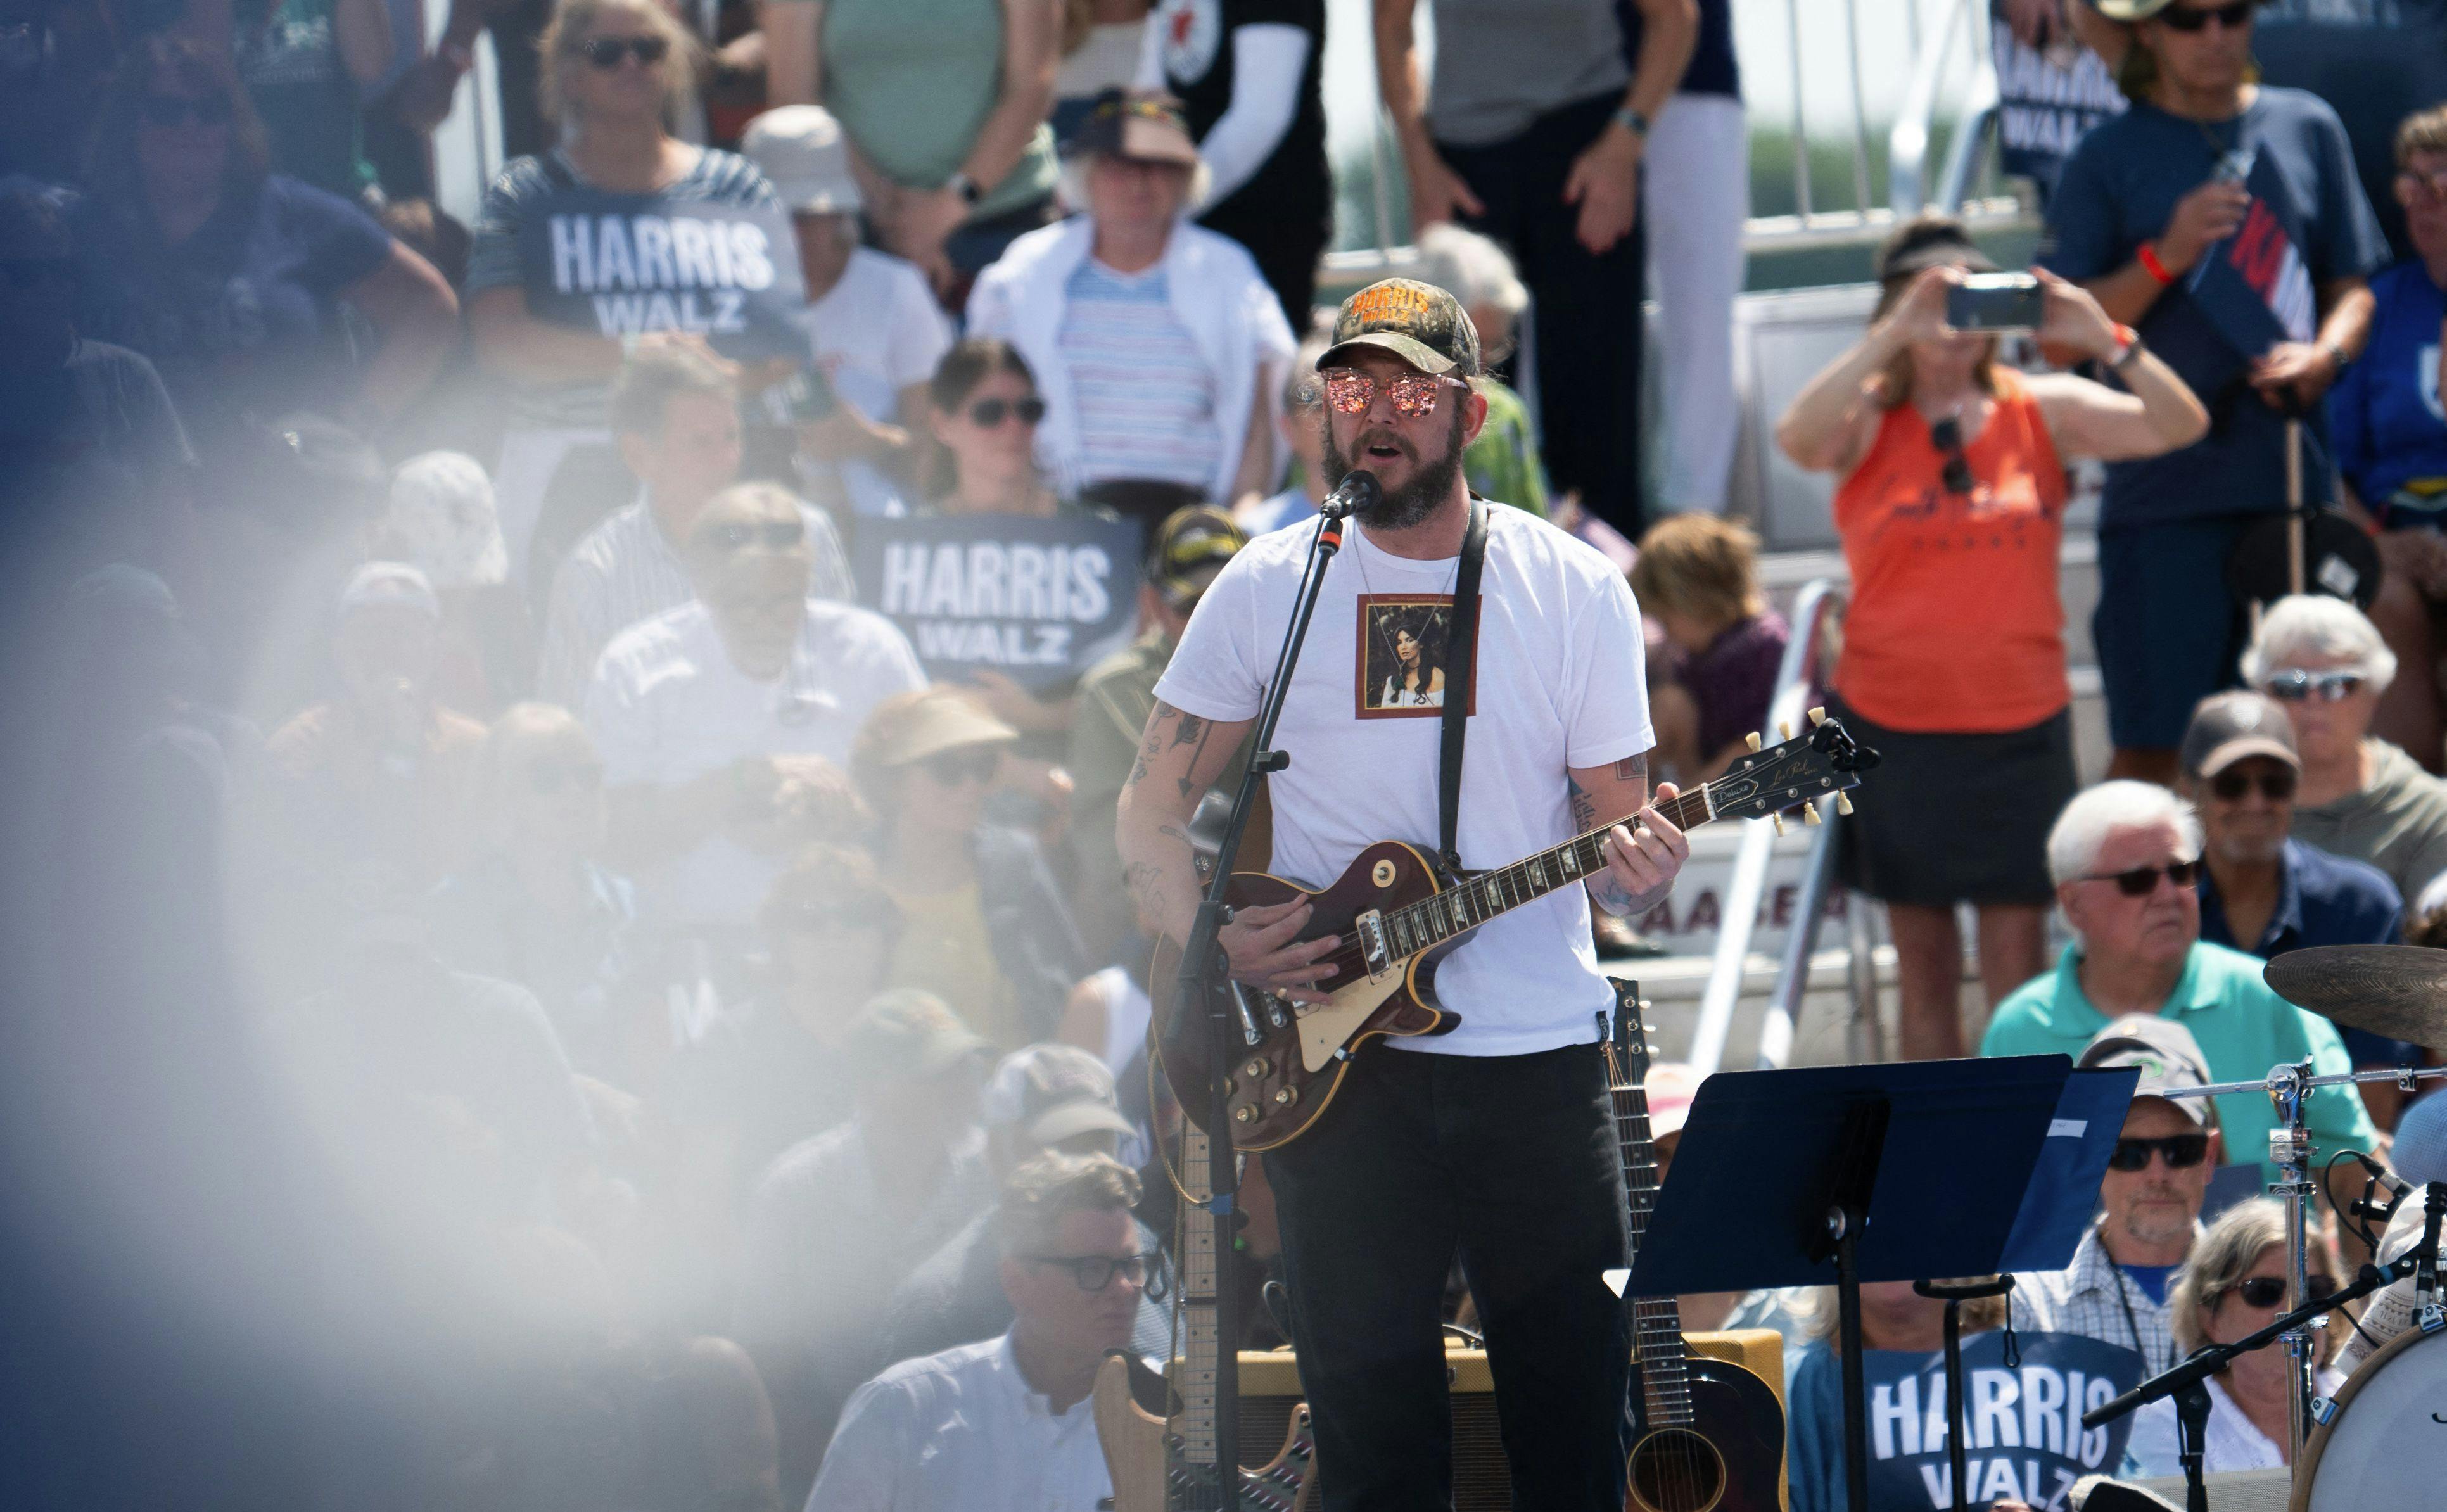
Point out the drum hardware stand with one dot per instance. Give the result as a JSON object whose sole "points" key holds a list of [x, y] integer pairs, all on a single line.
{"points": [[2289, 1151]]}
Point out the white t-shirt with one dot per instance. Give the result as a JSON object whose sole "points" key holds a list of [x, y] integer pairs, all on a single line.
{"points": [[667, 705], [875, 333], [961, 1431], [1560, 683]]}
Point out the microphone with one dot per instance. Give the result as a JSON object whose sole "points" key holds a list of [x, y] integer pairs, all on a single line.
{"points": [[1357, 491]]}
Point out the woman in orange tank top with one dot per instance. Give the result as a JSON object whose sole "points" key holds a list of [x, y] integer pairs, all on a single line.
{"points": [[1950, 503]]}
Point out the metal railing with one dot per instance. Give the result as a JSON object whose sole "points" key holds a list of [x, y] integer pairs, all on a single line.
{"points": [[1909, 188], [1819, 600]]}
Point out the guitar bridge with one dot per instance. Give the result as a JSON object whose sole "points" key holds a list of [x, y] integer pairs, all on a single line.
{"points": [[1373, 951]]}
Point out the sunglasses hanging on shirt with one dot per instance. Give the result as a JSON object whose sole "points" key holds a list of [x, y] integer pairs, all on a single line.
{"points": [[1946, 435]]}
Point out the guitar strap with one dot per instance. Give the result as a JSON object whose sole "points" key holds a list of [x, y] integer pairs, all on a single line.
{"points": [[1461, 660]]}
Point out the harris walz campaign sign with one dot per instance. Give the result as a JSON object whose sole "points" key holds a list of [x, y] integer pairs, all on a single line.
{"points": [[2254, 286], [624, 265], [2022, 1441], [1039, 601]]}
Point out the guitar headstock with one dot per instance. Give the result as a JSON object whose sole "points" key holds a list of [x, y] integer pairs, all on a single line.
{"points": [[1824, 762], [1627, 1051]]}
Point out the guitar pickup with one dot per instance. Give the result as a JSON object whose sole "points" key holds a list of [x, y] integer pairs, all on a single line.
{"points": [[1373, 951]]}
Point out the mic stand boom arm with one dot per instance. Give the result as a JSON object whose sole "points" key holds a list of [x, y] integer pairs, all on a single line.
{"points": [[1201, 989]]}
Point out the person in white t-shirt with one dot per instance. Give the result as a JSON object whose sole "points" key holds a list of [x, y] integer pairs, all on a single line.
{"points": [[725, 725], [1005, 1424], [1479, 1141], [873, 328]]}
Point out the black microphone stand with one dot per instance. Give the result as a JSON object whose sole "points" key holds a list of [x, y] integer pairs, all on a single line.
{"points": [[2188, 1383], [1203, 987]]}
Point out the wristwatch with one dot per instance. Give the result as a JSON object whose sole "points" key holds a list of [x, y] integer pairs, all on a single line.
{"points": [[1633, 121], [966, 187], [2336, 355], [2130, 348]]}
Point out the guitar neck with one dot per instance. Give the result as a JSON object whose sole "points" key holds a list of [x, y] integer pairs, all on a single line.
{"points": [[1466, 905], [1656, 1321], [1201, 1231]]}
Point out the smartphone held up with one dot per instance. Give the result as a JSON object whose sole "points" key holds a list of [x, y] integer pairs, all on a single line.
{"points": [[1994, 301]]}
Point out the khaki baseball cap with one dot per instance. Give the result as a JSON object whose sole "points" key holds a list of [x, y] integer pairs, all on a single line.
{"points": [[801, 148], [1419, 323], [2228, 727], [2166, 1052], [912, 727], [1049, 1093], [906, 1034], [1143, 127]]}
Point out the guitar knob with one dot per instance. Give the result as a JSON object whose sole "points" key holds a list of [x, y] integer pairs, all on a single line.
{"points": [[1256, 1070], [1818, 716], [1286, 1096], [1752, 740], [1843, 803], [1783, 729], [1809, 814], [1244, 1114]]}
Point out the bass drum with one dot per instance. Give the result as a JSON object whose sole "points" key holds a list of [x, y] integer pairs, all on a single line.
{"points": [[2385, 1444]]}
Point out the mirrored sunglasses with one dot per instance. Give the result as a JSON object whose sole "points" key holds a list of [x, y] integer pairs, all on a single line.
{"points": [[1352, 391], [2294, 685]]}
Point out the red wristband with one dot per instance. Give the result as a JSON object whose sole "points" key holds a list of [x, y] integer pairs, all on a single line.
{"points": [[2150, 265]]}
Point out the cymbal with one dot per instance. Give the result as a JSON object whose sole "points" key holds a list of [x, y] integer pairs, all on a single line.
{"points": [[2397, 991]]}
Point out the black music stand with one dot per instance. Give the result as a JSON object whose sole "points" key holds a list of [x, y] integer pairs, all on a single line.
{"points": [[1779, 1181]]}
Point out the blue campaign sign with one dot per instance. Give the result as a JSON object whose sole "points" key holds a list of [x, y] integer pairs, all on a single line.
{"points": [[1039, 601], [624, 265], [2254, 286], [2022, 1441]]}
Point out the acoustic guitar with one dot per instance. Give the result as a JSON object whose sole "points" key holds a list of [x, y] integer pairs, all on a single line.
{"points": [[1398, 913], [1710, 1434], [1160, 1446]]}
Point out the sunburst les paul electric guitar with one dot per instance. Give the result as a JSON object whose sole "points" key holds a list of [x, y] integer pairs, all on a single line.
{"points": [[1395, 915], [1710, 1436], [1160, 1445]]}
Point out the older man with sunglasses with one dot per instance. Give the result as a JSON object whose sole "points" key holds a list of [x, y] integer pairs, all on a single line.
{"points": [[2360, 796], [2150, 1199], [725, 724], [2124, 855]]}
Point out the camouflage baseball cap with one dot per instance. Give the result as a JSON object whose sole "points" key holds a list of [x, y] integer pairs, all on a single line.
{"points": [[1419, 323]]}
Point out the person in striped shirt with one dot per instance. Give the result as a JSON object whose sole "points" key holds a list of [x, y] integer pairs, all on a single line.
{"points": [[677, 416]]}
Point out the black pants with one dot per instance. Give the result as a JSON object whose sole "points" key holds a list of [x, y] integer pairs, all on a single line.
{"points": [[1509, 1161], [1586, 307]]}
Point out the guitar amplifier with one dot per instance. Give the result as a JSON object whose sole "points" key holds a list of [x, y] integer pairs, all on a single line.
{"points": [[1482, 1477]]}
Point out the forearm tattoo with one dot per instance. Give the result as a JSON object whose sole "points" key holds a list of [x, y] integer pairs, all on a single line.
{"points": [[1167, 730]]}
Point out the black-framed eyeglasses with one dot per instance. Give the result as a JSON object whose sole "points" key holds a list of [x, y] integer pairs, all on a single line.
{"points": [[2234, 17], [546, 778], [1096, 1272], [2268, 1292], [2294, 685], [606, 53], [1946, 435], [2183, 1152], [734, 536], [2143, 880], [168, 111], [1351, 391], [2277, 787], [988, 413], [970, 764]]}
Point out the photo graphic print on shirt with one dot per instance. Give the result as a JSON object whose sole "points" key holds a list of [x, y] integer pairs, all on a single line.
{"points": [[1404, 652]]}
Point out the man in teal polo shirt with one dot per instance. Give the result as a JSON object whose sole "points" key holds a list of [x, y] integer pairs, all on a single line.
{"points": [[2124, 857]]}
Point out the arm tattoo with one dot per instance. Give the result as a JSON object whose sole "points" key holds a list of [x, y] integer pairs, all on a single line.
{"points": [[1585, 806], [1146, 883], [1632, 769]]}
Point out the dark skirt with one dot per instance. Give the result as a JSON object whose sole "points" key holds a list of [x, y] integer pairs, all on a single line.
{"points": [[1957, 819]]}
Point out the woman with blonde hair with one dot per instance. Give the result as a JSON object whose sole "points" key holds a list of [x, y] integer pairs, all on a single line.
{"points": [[2234, 1285], [1950, 500], [617, 74]]}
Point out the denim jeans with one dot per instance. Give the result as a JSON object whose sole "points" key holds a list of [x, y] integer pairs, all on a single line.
{"points": [[1509, 1163]]}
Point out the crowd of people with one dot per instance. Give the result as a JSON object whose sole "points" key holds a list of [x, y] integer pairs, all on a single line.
{"points": [[572, 761]]}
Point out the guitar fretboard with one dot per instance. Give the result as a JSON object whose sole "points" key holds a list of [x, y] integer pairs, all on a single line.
{"points": [[1656, 1321], [1431, 921], [1199, 1230]]}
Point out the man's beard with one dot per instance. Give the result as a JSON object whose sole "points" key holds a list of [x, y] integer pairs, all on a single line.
{"points": [[1398, 508]]}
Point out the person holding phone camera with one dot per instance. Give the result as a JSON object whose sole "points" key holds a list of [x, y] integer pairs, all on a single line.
{"points": [[2143, 204], [1951, 503]]}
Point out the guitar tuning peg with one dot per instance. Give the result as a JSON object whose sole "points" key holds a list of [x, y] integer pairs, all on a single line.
{"points": [[1818, 716], [1843, 803], [1777, 820], [1809, 814], [1752, 740], [1783, 729]]}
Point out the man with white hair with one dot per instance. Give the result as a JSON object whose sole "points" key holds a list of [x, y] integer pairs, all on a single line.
{"points": [[2359, 796], [2124, 857]]}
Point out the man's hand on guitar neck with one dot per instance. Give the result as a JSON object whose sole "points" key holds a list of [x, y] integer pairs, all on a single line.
{"points": [[1645, 853]]}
